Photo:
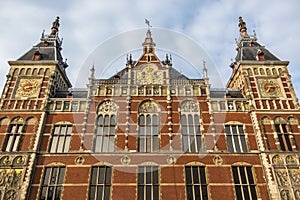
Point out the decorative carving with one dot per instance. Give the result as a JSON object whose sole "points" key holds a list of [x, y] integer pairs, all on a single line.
{"points": [[285, 194], [19, 160], [295, 176], [290, 160], [218, 160], [108, 107], [11, 182], [189, 106], [5, 160], [282, 177], [14, 160], [11, 195], [297, 194], [149, 75], [125, 160], [171, 160], [277, 160], [79, 160], [148, 107]]}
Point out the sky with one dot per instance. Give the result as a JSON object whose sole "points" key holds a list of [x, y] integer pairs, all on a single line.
{"points": [[88, 27]]}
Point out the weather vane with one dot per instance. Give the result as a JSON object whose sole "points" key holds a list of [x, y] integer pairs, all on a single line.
{"points": [[148, 23]]}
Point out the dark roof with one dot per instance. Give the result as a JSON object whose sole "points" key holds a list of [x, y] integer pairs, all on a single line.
{"points": [[248, 50], [225, 93], [76, 93], [174, 74], [48, 49]]}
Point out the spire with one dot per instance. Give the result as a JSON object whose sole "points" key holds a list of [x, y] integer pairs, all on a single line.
{"points": [[204, 71], [148, 44], [243, 28], [55, 26]]}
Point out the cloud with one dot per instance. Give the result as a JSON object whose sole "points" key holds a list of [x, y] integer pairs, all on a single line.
{"points": [[212, 24]]}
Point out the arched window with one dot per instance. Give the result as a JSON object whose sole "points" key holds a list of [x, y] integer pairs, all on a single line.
{"points": [[190, 126], [262, 71], [148, 127], [284, 137], [14, 135], [104, 137]]}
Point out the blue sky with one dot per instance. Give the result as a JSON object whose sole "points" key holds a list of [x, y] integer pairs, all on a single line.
{"points": [[210, 23]]}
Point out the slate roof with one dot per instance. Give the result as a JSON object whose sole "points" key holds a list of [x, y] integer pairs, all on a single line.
{"points": [[49, 52], [249, 49], [225, 93]]}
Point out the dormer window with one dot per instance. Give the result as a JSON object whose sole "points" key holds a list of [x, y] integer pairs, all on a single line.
{"points": [[260, 55], [45, 44], [37, 55]]}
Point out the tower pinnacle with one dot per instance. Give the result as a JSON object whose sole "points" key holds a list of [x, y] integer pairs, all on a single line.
{"points": [[148, 44], [243, 28], [55, 26]]}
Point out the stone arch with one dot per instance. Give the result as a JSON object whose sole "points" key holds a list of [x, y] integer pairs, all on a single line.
{"points": [[148, 106], [107, 106], [189, 105], [279, 120]]}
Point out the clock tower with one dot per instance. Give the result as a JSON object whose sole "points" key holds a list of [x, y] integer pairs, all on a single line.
{"points": [[31, 82], [37, 75], [260, 75], [274, 110]]}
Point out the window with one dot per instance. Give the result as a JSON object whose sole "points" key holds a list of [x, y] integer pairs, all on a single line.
{"points": [[100, 183], [235, 137], [104, 136], [105, 133], [61, 138], [148, 133], [190, 130], [190, 126], [52, 183], [244, 183], [148, 130], [13, 138], [283, 137], [196, 185], [148, 183]]}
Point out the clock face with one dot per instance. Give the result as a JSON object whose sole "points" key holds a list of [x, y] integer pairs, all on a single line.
{"points": [[269, 88], [28, 88]]}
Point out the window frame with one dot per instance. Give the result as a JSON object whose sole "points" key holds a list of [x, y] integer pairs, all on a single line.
{"points": [[191, 137], [234, 138], [197, 186], [96, 183], [105, 133], [284, 137], [10, 144], [244, 188], [62, 136], [58, 183], [148, 181], [148, 132]]}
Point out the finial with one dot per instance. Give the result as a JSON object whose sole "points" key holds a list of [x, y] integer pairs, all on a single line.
{"points": [[55, 26], [242, 26], [254, 35], [92, 72], [43, 34], [204, 70], [148, 23]]}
